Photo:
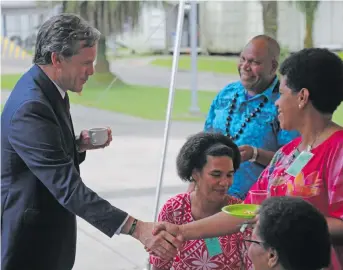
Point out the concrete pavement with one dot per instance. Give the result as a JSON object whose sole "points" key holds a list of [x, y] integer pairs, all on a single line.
{"points": [[138, 71], [14, 66]]}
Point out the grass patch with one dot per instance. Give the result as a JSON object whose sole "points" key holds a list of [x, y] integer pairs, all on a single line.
{"points": [[204, 63], [139, 101], [8, 81]]}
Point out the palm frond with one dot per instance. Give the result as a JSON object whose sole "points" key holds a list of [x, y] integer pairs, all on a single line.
{"points": [[307, 6], [110, 16]]}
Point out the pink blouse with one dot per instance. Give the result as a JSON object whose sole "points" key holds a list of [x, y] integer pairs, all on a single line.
{"points": [[319, 182]]}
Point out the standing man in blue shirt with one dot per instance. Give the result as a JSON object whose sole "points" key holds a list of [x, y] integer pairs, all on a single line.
{"points": [[245, 111]]}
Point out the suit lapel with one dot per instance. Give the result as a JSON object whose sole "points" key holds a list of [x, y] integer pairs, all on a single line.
{"points": [[59, 106], [53, 95]]}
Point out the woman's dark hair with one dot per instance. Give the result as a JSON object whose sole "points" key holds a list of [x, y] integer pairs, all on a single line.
{"points": [[297, 231], [193, 154], [321, 72]]}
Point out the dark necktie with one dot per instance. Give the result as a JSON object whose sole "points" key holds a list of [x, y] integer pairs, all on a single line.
{"points": [[67, 104]]}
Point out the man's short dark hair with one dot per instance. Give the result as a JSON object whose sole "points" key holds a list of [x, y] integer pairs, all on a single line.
{"points": [[64, 34], [297, 231]]}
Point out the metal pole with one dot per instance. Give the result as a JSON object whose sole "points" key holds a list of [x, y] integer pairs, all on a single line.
{"points": [[194, 109], [176, 54]]}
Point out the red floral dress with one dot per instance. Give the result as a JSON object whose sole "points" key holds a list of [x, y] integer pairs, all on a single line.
{"points": [[194, 253], [320, 181]]}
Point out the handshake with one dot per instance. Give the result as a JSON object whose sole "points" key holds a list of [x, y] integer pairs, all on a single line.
{"points": [[164, 239], [161, 239]]}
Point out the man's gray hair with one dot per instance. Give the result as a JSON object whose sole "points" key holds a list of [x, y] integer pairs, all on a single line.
{"points": [[64, 34]]}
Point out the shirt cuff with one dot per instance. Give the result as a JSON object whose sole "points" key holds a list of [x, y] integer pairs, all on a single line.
{"points": [[118, 231]]}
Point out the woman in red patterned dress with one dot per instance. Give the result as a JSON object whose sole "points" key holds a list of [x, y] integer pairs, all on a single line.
{"points": [[209, 160]]}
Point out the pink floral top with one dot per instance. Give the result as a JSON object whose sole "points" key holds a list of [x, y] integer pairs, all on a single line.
{"points": [[320, 182], [194, 253]]}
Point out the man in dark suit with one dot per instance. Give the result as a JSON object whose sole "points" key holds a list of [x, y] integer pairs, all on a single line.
{"points": [[41, 188]]}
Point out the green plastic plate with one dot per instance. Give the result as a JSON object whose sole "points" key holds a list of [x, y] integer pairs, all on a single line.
{"points": [[241, 210]]}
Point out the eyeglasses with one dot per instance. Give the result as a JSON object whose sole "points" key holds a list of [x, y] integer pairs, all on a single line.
{"points": [[249, 241], [243, 246]]}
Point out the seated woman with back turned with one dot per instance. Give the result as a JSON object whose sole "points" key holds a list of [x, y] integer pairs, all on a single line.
{"points": [[286, 227]]}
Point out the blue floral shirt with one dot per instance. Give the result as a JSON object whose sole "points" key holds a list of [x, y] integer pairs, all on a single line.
{"points": [[262, 131]]}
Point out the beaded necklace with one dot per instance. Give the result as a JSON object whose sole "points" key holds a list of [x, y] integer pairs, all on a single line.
{"points": [[247, 119]]}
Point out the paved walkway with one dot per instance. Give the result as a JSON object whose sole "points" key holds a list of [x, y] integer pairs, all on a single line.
{"points": [[14, 66], [138, 71]]}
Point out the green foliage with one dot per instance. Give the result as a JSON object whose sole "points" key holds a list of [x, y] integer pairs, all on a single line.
{"points": [[307, 7], [109, 17]]}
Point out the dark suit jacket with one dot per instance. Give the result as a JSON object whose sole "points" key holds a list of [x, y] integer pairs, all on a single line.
{"points": [[41, 187]]}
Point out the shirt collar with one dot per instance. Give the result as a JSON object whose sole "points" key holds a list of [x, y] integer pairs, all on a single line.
{"points": [[63, 93], [268, 92]]}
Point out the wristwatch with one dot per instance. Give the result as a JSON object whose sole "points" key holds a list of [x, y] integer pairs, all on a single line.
{"points": [[254, 155]]}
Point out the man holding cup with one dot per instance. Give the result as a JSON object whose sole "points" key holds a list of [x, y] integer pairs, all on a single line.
{"points": [[41, 188]]}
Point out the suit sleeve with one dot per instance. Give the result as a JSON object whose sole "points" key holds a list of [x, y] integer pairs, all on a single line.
{"points": [[82, 157], [35, 136]]}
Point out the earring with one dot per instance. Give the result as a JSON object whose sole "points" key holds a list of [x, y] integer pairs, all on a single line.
{"points": [[300, 106]]}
